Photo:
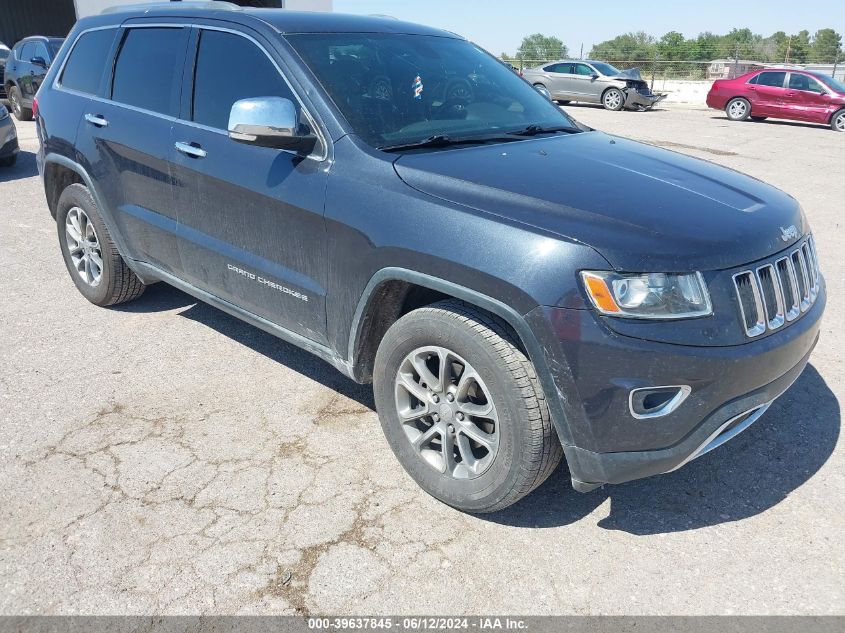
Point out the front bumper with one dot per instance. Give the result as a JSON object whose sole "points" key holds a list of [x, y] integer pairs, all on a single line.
{"points": [[596, 369], [638, 100]]}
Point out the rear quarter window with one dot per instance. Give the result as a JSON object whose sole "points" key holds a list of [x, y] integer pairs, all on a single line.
{"points": [[87, 61]]}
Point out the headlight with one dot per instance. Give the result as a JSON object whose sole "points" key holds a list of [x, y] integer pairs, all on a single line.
{"points": [[648, 295]]}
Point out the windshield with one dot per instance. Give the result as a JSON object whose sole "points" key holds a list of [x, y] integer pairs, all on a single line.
{"points": [[830, 82], [605, 69], [397, 89]]}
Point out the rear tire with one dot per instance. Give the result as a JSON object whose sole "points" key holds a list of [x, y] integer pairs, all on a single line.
{"points": [[613, 99], [738, 109], [21, 112], [91, 257], [837, 121], [758, 118], [479, 437]]}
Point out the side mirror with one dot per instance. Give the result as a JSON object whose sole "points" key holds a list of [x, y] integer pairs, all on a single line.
{"points": [[543, 91], [269, 122], [39, 61], [594, 76]]}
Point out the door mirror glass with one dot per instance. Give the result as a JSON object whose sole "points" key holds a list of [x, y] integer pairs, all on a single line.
{"points": [[39, 61], [269, 122]]}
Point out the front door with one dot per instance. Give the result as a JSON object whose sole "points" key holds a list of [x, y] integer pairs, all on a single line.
{"points": [[37, 71], [22, 67], [766, 95], [250, 218], [583, 84], [805, 99]]}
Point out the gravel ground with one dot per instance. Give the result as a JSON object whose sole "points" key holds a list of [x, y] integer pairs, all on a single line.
{"points": [[163, 457]]}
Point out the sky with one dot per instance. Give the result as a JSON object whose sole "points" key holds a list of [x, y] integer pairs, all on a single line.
{"points": [[500, 26]]}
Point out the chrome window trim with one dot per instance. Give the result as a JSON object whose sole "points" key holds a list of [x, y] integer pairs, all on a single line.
{"points": [[318, 130]]}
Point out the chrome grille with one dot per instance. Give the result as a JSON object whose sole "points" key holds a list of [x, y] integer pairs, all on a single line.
{"points": [[777, 293]]}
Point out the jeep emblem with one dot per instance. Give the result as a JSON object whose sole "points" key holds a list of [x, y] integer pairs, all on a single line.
{"points": [[789, 233]]}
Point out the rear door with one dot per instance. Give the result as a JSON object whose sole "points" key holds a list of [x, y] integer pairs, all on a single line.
{"points": [[805, 99], [251, 218], [126, 138], [767, 93]]}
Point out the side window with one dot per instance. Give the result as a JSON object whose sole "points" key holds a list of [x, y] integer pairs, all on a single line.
{"points": [[583, 69], [805, 83], [84, 68], [228, 55], [774, 80], [41, 51], [27, 52], [146, 70], [753, 80]]}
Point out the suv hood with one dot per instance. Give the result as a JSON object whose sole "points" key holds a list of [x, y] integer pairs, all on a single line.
{"points": [[643, 208]]}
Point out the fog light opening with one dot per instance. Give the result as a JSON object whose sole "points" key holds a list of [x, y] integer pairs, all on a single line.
{"points": [[656, 402]]}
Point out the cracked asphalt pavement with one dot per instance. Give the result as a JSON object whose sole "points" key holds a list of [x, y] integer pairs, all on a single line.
{"points": [[163, 458]]}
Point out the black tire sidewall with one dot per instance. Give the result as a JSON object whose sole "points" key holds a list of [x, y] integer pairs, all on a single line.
{"points": [[79, 196], [427, 328]]}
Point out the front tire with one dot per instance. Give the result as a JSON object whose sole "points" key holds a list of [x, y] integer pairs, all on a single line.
{"points": [[462, 408], [837, 121], [613, 99], [91, 257], [21, 112], [738, 109]]}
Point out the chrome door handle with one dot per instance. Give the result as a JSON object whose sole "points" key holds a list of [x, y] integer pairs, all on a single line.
{"points": [[97, 120], [191, 150]]}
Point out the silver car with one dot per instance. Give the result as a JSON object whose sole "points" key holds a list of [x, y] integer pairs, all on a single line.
{"points": [[8, 139], [594, 82]]}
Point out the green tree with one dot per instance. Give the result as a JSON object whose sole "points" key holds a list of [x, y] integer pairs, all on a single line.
{"points": [[541, 47], [795, 49], [672, 46], [826, 47], [637, 46], [708, 46]]}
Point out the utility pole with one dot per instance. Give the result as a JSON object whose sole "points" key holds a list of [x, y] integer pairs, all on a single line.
{"points": [[582, 50], [788, 50], [736, 61]]}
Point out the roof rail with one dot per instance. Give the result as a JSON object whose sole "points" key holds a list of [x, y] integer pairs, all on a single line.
{"points": [[174, 6]]}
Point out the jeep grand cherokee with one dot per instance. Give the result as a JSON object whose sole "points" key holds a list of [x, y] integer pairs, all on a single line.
{"points": [[398, 202]]}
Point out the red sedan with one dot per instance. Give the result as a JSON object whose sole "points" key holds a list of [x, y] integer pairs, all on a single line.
{"points": [[782, 94]]}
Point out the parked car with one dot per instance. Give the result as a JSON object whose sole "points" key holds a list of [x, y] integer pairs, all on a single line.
{"points": [[590, 81], [8, 139], [446, 250], [4, 55], [26, 68], [798, 95]]}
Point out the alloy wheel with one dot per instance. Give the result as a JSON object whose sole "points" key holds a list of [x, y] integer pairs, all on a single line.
{"points": [[737, 109], [16, 105], [447, 412], [83, 246], [613, 99], [840, 122]]}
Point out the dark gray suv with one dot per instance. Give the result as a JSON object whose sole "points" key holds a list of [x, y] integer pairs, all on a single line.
{"points": [[395, 200]]}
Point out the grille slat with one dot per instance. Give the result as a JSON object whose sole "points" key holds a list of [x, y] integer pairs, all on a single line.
{"points": [[777, 293]]}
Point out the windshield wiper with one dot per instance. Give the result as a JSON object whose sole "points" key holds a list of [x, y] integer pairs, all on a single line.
{"points": [[534, 130], [444, 140]]}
